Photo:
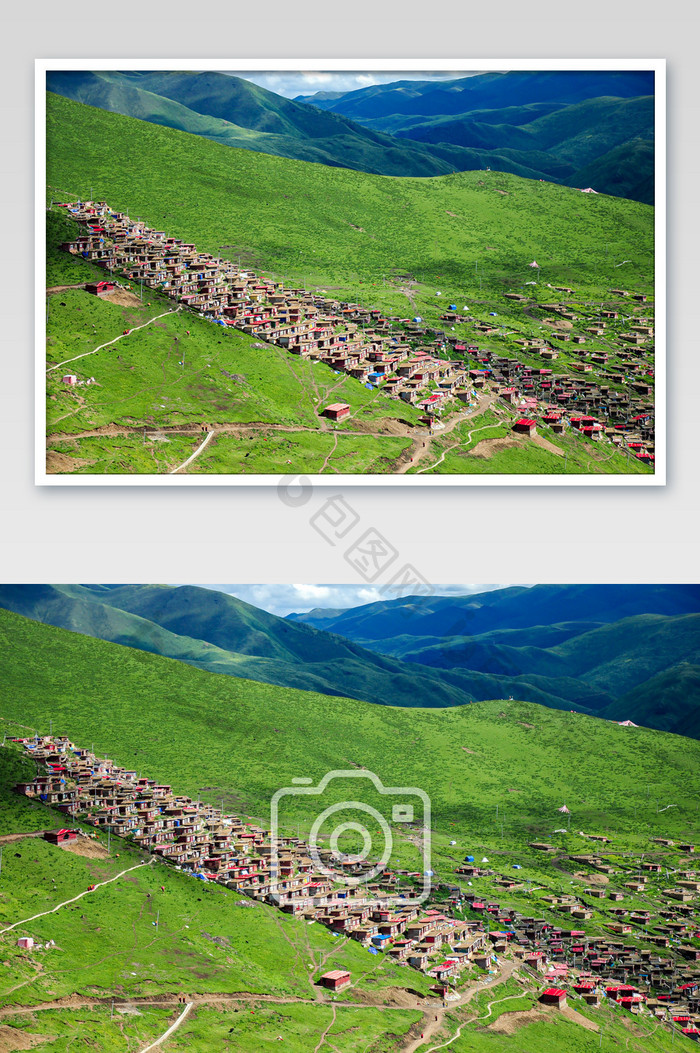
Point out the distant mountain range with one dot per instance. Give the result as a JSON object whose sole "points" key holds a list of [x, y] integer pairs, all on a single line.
{"points": [[575, 128], [637, 644], [618, 651]]}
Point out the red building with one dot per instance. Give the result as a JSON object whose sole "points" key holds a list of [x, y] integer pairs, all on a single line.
{"points": [[337, 411], [99, 288], [525, 426], [335, 980], [60, 837], [554, 996]]}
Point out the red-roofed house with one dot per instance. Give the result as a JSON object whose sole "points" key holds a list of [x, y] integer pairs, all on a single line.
{"points": [[60, 837], [525, 426], [554, 996], [337, 411], [335, 980], [99, 288]]}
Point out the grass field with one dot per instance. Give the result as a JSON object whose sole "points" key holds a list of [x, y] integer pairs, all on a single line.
{"points": [[210, 194], [385, 242], [521, 758]]}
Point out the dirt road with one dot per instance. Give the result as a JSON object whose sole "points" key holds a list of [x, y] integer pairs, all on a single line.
{"points": [[210, 436], [87, 892], [435, 1018], [171, 1029], [135, 329], [420, 452]]}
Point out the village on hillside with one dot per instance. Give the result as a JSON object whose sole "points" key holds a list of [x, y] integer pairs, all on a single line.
{"points": [[606, 394], [645, 960]]}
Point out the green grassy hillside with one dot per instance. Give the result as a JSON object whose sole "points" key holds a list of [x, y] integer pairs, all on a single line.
{"points": [[639, 645], [387, 243], [151, 935], [222, 634], [514, 607], [484, 91], [155, 934], [183, 725], [605, 143], [593, 668], [235, 112], [670, 699], [614, 657], [295, 219], [630, 166]]}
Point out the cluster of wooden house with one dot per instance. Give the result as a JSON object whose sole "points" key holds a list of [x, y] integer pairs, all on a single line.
{"points": [[605, 966], [200, 839], [661, 975], [349, 338], [601, 402], [561, 400]]}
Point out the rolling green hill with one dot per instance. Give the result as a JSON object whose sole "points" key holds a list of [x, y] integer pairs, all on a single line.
{"points": [[381, 241], [235, 112], [564, 126], [669, 699], [604, 143], [486, 91], [632, 641], [219, 633], [514, 607], [432, 661], [288, 217], [185, 726]]}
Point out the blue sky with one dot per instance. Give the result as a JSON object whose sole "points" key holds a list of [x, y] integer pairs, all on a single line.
{"points": [[283, 599]]}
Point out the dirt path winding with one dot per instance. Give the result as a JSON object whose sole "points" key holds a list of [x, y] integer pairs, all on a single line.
{"points": [[173, 310], [210, 436], [431, 1027], [420, 452], [87, 892], [168, 1033], [323, 1036], [329, 455]]}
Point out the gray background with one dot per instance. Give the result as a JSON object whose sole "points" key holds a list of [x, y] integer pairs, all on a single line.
{"points": [[247, 534]]}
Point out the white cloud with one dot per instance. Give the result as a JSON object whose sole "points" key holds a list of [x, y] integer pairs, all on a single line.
{"points": [[307, 82], [284, 599]]}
